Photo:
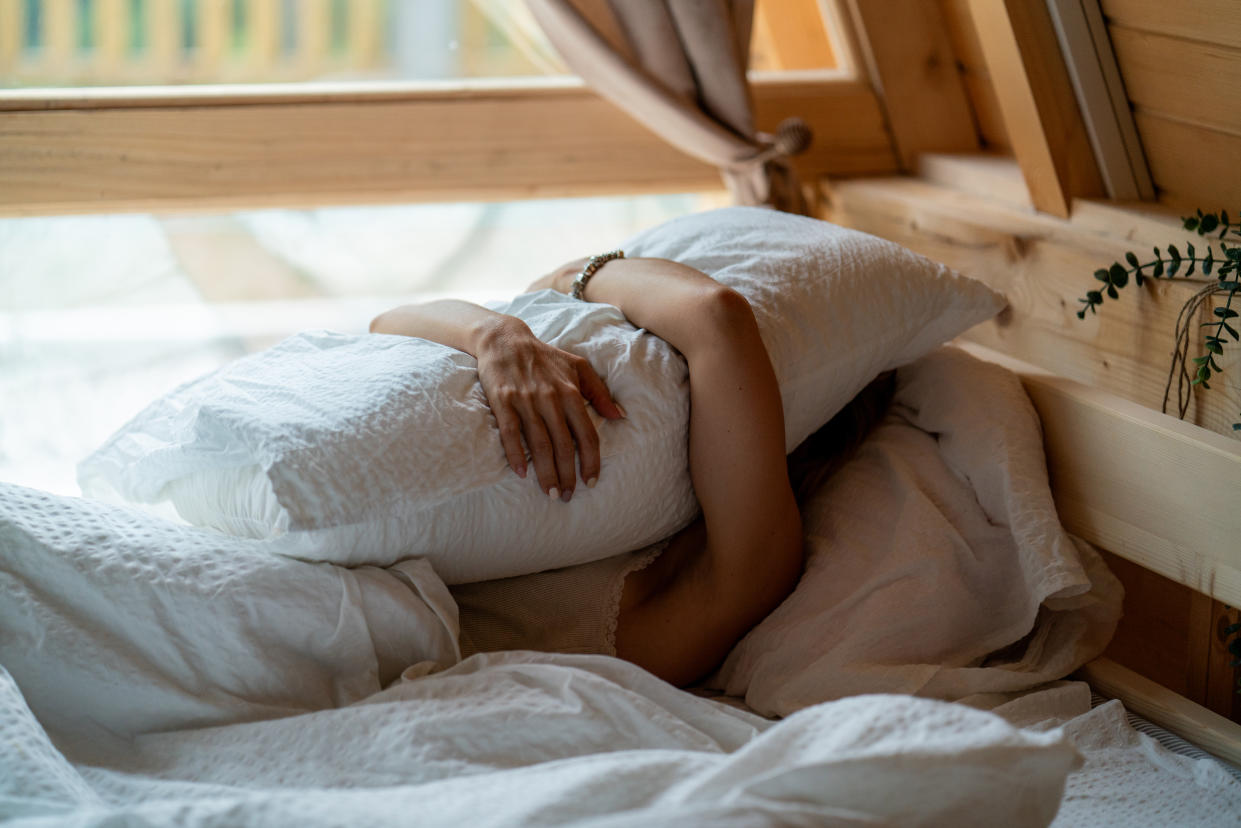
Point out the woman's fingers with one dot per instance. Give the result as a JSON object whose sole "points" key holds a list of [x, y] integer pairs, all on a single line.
{"points": [[596, 391], [553, 411], [509, 425], [542, 454], [586, 437]]}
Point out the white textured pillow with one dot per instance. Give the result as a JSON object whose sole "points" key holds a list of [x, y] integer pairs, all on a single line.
{"points": [[369, 449]]}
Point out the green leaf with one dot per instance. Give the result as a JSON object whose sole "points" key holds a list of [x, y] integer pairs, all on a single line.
{"points": [[1204, 373], [1214, 365], [1081, 314], [1158, 271], [1231, 285], [1215, 348], [1191, 223], [1101, 275], [1225, 313], [1232, 332], [1132, 259], [1189, 250], [1208, 262], [1094, 297], [1119, 276], [1111, 292], [1208, 223], [1236, 426], [1201, 359]]}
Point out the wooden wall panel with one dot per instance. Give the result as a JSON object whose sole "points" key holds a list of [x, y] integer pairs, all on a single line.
{"points": [[1044, 264], [914, 69], [1181, 65], [1210, 21], [986, 106]]}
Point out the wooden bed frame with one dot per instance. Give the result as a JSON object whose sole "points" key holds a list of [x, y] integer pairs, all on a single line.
{"points": [[1156, 491]]}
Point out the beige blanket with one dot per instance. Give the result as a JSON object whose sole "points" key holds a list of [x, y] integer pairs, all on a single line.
{"points": [[936, 563]]}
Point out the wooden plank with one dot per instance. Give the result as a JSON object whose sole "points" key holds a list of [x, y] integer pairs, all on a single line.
{"points": [[1037, 102], [1209, 731], [213, 38], [486, 145], [11, 28], [1180, 79], [794, 34], [163, 29], [1192, 166], [1224, 680], [60, 52], [1044, 264], [965, 44], [915, 73], [313, 45], [365, 28], [994, 177], [1162, 633], [1145, 486], [111, 27], [1211, 21]]}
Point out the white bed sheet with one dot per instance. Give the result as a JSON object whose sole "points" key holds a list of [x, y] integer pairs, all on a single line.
{"points": [[180, 682]]}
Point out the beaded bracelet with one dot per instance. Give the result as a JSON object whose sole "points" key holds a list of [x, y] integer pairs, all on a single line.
{"points": [[592, 265]]}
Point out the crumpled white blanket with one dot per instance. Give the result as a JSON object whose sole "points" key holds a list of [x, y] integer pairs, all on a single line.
{"points": [[528, 739]]}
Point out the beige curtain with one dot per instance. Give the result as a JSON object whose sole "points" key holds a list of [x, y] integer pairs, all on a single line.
{"points": [[678, 66]]}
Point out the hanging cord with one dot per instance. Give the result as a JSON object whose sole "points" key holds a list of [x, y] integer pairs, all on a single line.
{"points": [[1180, 356]]}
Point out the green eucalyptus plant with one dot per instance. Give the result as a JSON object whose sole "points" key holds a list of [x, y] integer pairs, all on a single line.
{"points": [[1225, 266]]}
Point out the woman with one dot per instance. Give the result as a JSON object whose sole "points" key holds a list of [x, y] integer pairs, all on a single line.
{"points": [[681, 614]]}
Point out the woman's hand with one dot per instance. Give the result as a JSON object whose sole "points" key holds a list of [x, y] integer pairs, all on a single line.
{"points": [[539, 392]]}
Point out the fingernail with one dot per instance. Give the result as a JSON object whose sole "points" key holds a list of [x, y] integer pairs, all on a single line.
{"points": [[568, 493], [553, 493], [521, 472], [590, 484], [622, 411]]}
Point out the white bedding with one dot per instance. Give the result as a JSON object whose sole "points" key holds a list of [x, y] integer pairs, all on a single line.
{"points": [[181, 677]]}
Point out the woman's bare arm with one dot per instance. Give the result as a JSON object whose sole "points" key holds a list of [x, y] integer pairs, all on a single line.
{"points": [[681, 615]]}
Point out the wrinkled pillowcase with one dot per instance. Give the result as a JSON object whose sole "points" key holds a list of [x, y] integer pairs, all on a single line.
{"points": [[367, 449]]}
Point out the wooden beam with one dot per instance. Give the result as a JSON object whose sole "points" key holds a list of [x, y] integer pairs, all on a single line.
{"points": [[1044, 264], [978, 86], [1145, 486], [1037, 102], [914, 69], [227, 147], [1209, 731]]}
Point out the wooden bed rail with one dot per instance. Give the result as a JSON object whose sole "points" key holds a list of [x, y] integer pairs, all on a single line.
{"points": [[1209, 731], [1150, 488]]}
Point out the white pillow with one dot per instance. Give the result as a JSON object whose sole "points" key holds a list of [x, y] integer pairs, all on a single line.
{"points": [[370, 449]]}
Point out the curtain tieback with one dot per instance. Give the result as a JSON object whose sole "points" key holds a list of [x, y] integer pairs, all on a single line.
{"points": [[793, 136]]}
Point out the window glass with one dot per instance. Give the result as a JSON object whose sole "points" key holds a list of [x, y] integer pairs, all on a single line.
{"points": [[56, 43], [100, 314]]}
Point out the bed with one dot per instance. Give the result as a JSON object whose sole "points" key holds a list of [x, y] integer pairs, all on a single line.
{"points": [[525, 738]]}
